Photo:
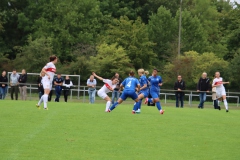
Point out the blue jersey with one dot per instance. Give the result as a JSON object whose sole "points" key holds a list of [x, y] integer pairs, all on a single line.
{"points": [[130, 84], [154, 83], [143, 80]]}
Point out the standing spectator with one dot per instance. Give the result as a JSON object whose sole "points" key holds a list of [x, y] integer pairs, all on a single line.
{"points": [[58, 82], [40, 86], [179, 86], [14, 84], [91, 83], [203, 87], [67, 86], [116, 92], [3, 85], [22, 87]]}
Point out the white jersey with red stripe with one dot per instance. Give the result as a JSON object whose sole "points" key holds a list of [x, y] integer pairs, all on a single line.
{"points": [[51, 69], [218, 81], [107, 86]]}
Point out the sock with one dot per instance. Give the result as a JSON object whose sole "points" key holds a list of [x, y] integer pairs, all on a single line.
{"points": [[40, 101], [225, 104], [150, 100], [218, 102], [45, 100], [140, 103], [135, 106], [159, 106], [108, 105], [114, 106]]}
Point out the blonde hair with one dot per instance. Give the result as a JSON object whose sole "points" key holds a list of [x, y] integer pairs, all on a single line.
{"points": [[146, 72], [141, 71]]}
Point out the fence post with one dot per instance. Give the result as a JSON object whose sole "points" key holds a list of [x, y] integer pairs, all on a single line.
{"points": [[191, 100], [165, 98], [84, 94], [71, 94], [30, 92]]}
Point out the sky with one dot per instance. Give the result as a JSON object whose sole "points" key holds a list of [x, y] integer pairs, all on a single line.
{"points": [[236, 1]]}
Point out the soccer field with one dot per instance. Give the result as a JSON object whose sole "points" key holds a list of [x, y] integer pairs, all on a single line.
{"points": [[84, 131]]}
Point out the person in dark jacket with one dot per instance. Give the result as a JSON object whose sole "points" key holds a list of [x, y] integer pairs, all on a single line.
{"points": [[179, 86], [3, 85], [40, 86], [203, 87], [67, 84], [58, 82], [22, 87]]}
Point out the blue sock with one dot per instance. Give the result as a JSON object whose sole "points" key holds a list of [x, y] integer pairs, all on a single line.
{"points": [[140, 103], [113, 106], [150, 100], [158, 106], [135, 106]]}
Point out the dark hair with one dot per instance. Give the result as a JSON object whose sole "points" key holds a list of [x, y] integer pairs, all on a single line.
{"points": [[52, 58], [59, 74], [155, 69], [131, 73], [114, 77], [14, 69]]}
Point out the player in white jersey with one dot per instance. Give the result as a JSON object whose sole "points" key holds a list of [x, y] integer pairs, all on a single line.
{"points": [[220, 89], [48, 71], [106, 88]]}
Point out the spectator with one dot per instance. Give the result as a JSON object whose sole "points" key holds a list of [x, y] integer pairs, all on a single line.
{"points": [[116, 92], [203, 87], [22, 87], [58, 82], [179, 86], [40, 86], [3, 85], [14, 84], [67, 86], [91, 83]]}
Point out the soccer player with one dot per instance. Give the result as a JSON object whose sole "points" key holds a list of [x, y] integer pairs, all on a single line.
{"points": [[143, 93], [106, 88], [129, 85], [48, 71], [220, 89], [155, 82]]}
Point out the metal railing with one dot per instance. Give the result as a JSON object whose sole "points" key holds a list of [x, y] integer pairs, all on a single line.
{"points": [[84, 90]]}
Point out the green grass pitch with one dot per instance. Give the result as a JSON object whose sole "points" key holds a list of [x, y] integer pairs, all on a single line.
{"points": [[83, 131]]}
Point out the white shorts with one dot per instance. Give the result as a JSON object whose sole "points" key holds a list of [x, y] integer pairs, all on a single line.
{"points": [[220, 92], [102, 94], [47, 84]]}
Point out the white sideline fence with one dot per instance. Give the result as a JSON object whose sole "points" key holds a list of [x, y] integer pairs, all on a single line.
{"points": [[84, 90]]}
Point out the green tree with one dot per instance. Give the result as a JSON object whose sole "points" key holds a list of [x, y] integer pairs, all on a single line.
{"points": [[133, 37], [193, 36], [110, 59], [35, 55], [162, 30], [233, 71]]}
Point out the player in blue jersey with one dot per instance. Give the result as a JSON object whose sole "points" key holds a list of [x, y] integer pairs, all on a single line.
{"points": [[130, 84], [155, 82], [143, 93]]}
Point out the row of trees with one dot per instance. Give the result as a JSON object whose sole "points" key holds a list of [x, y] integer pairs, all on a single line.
{"points": [[106, 36]]}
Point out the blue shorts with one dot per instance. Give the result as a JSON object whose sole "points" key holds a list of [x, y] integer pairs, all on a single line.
{"points": [[154, 94], [126, 94], [145, 93]]}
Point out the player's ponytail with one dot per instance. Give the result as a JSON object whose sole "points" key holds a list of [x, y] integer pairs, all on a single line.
{"points": [[114, 77], [131, 73], [52, 58], [146, 73]]}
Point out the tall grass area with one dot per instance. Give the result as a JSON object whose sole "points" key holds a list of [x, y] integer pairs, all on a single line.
{"points": [[84, 131]]}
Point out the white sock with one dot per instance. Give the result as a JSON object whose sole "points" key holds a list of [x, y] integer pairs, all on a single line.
{"points": [[225, 104], [108, 105], [40, 101], [218, 103], [45, 100]]}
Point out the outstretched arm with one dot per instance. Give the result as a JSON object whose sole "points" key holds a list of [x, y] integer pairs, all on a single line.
{"points": [[225, 82], [100, 78]]}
